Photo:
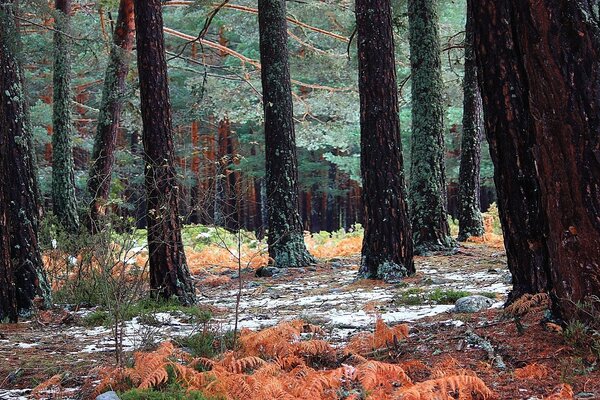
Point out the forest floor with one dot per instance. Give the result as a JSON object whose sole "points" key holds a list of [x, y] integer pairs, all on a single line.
{"points": [[61, 342]]}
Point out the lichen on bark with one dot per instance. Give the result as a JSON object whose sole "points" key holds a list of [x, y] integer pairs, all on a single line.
{"points": [[285, 236], [20, 185], [470, 220], [63, 180], [427, 191]]}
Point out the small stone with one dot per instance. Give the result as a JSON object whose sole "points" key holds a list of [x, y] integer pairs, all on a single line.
{"points": [[108, 396], [267, 272], [252, 284], [471, 304]]}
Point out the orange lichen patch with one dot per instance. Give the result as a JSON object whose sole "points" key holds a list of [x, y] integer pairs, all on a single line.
{"points": [[334, 248], [531, 371]]}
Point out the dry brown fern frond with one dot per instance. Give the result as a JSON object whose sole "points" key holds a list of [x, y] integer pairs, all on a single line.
{"points": [[191, 378], [271, 342], [373, 374], [526, 303], [531, 371], [563, 392], [238, 366], [268, 370], [206, 363], [288, 362], [386, 336], [314, 347], [449, 366], [53, 381], [304, 327], [467, 388], [411, 366], [110, 378], [274, 390]]}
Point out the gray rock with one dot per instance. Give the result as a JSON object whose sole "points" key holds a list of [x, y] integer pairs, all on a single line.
{"points": [[267, 272], [471, 304], [108, 396]]}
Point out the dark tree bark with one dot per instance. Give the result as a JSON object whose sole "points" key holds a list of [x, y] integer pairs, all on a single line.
{"points": [[553, 54], [169, 274], [8, 295], [21, 189], [387, 251], [509, 129], [63, 181], [103, 154], [285, 239], [470, 221], [427, 171]]}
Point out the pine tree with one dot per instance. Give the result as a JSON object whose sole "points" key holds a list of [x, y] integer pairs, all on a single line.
{"points": [[541, 96], [427, 171], [103, 154], [169, 274], [387, 251], [63, 180], [20, 185], [285, 239], [470, 221]]}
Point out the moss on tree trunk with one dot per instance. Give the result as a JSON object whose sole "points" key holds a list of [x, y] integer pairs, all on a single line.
{"points": [[387, 251], [285, 238], [470, 221], [20, 185], [63, 180], [427, 171]]}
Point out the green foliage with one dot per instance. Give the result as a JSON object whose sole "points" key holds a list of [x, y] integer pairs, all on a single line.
{"points": [[410, 297], [446, 296], [146, 309], [170, 392]]}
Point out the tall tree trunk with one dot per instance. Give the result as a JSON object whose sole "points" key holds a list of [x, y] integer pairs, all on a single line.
{"points": [[103, 154], [470, 221], [8, 295], [387, 251], [63, 180], [427, 171], [509, 128], [285, 240], [21, 186], [169, 274], [554, 47]]}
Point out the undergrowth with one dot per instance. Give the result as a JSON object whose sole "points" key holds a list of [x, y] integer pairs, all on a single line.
{"points": [[293, 361]]}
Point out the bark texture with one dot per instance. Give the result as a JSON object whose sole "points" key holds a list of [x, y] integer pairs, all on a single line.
{"points": [[509, 129], [387, 251], [63, 181], [21, 188], [551, 51], [103, 154], [470, 221], [8, 296], [427, 171], [169, 274], [285, 239]]}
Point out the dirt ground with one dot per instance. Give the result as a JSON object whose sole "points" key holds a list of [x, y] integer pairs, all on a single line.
{"points": [[329, 295]]}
